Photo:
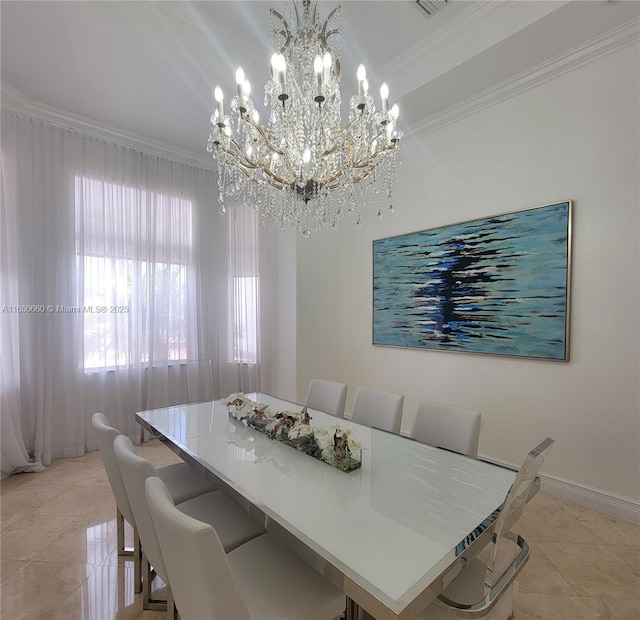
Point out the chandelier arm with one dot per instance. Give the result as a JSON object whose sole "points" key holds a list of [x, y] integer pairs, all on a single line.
{"points": [[371, 162], [331, 32], [246, 170], [380, 134], [326, 23], [231, 140], [329, 151], [287, 38], [330, 182], [282, 19], [344, 131], [262, 131], [280, 187], [286, 33], [246, 165], [272, 179], [351, 123], [333, 182], [363, 176], [242, 162], [363, 164], [295, 8], [235, 143], [237, 156], [272, 176]]}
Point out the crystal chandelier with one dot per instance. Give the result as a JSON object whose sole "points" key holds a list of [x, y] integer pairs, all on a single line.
{"points": [[302, 169]]}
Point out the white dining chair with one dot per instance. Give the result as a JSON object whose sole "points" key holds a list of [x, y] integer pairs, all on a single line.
{"points": [[199, 380], [327, 396], [233, 524], [380, 409], [486, 585], [182, 481], [179, 382], [446, 426], [261, 580]]}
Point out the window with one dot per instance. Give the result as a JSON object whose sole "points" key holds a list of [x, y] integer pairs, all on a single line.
{"points": [[135, 275]]}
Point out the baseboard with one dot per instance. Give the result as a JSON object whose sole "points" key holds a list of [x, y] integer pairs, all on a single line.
{"points": [[609, 503], [596, 499]]}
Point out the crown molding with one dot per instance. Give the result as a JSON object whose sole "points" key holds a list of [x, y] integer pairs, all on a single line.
{"points": [[483, 24], [601, 46], [476, 13], [15, 101]]}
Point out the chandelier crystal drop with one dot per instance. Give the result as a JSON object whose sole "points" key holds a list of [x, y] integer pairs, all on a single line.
{"points": [[301, 168]]}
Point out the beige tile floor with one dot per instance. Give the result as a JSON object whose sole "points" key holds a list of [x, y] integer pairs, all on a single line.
{"points": [[59, 559]]}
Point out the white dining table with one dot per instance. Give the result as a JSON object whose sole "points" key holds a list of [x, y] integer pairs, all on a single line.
{"points": [[394, 530]]}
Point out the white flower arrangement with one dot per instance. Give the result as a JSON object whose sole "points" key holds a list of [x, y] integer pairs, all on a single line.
{"points": [[301, 430], [334, 445], [239, 406]]}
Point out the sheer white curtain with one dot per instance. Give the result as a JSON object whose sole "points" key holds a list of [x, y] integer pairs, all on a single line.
{"points": [[117, 274]]}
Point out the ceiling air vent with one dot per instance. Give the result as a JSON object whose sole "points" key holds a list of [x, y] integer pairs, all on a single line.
{"points": [[431, 7]]}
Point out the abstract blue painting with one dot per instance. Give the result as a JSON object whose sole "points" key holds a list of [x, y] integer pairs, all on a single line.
{"points": [[496, 285]]}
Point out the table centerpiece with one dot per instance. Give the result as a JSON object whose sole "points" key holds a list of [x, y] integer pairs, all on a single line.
{"points": [[334, 445]]}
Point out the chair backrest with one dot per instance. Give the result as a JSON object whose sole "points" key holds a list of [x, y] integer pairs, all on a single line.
{"points": [[178, 383], [380, 409], [447, 427], [502, 549], [135, 470], [197, 566], [519, 493], [327, 396], [106, 435], [199, 381]]}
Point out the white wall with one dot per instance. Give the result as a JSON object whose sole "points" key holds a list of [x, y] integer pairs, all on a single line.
{"points": [[278, 322], [576, 137]]}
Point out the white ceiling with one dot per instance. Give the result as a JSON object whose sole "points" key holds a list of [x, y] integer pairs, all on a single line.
{"points": [[149, 67]]}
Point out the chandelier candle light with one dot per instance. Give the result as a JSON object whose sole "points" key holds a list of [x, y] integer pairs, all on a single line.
{"points": [[302, 169]]}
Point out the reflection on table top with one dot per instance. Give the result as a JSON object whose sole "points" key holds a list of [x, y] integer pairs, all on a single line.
{"points": [[391, 526]]}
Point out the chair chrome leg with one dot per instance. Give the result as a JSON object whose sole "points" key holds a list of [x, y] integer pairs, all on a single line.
{"points": [[148, 573], [354, 611], [172, 612], [137, 562], [122, 550]]}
